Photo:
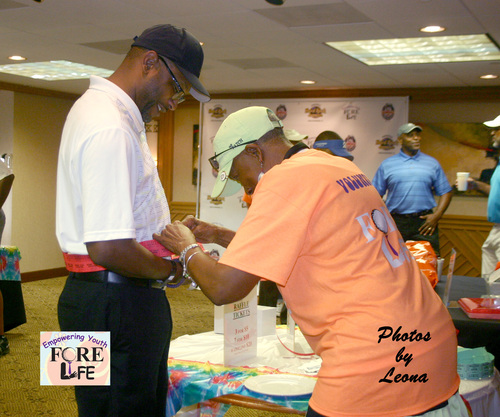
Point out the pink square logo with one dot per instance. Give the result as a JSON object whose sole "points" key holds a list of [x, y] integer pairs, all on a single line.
{"points": [[75, 358]]}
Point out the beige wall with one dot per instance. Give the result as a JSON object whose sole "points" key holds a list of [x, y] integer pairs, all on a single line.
{"points": [[472, 112], [38, 123]]}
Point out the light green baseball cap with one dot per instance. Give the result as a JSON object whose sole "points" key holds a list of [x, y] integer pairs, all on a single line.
{"points": [[239, 129]]}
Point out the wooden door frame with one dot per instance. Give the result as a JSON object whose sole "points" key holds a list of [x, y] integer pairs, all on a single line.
{"points": [[166, 125]]}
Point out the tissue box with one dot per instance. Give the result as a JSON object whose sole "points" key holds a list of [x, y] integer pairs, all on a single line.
{"points": [[266, 320]]}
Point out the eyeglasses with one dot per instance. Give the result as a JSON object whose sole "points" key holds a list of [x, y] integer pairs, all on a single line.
{"points": [[213, 160], [179, 95]]}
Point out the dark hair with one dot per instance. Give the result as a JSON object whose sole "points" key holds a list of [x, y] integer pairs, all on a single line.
{"points": [[273, 135], [328, 135]]}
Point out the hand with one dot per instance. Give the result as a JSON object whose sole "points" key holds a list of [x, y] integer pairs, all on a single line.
{"points": [[175, 237], [430, 224], [471, 184], [203, 231]]}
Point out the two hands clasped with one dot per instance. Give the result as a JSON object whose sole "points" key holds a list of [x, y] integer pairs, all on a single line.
{"points": [[179, 235], [221, 283]]}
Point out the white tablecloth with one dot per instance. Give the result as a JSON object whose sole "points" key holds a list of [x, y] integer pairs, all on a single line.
{"points": [[209, 347], [483, 396]]}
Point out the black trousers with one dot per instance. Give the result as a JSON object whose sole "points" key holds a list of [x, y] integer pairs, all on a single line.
{"points": [[140, 326], [408, 227]]}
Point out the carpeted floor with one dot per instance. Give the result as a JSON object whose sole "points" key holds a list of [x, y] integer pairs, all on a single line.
{"points": [[20, 392]]}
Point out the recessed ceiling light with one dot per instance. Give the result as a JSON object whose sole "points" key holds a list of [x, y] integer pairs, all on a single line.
{"points": [[433, 49], [308, 82], [54, 70], [432, 29], [17, 58], [489, 76]]}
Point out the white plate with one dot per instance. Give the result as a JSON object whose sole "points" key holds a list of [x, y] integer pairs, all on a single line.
{"points": [[281, 385]]}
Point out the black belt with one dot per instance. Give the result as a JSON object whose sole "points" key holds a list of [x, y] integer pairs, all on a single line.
{"points": [[436, 407], [114, 278], [408, 215]]}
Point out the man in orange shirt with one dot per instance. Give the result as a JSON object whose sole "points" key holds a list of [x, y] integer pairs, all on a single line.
{"points": [[319, 229]]}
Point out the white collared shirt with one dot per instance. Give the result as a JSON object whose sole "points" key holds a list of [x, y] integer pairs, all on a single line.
{"points": [[107, 182]]}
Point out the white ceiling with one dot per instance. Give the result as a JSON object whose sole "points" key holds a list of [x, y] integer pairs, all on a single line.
{"points": [[250, 45]]}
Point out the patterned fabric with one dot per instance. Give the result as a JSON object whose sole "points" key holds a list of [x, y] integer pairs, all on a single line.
{"points": [[9, 267], [193, 382]]}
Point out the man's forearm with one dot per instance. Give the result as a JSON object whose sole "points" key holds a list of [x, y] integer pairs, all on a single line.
{"points": [[129, 258], [443, 203], [224, 236], [481, 187], [222, 284]]}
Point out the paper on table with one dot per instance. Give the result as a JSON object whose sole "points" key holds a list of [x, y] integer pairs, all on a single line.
{"points": [[240, 330]]}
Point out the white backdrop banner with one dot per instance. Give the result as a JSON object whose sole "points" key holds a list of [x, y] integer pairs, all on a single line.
{"points": [[367, 125]]}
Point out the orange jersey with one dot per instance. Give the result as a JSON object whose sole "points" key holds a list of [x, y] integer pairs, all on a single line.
{"points": [[319, 229]]}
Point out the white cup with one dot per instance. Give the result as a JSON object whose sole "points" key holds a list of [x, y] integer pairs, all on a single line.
{"points": [[462, 178], [440, 262]]}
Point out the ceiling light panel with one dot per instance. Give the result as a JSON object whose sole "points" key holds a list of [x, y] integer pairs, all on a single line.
{"points": [[462, 48], [54, 70]]}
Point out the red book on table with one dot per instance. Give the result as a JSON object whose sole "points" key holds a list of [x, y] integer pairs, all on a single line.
{"points": [[481, 308]]}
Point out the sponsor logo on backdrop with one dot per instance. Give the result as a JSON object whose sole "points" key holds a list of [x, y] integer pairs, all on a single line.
{"points": [[315, 111], [350, 143], [386, 143], [351, 112], [388, 111], [75, 358], [281, 112], [216, 201], [217, 111]]}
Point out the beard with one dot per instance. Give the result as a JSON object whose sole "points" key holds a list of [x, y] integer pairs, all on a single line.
{"points": [[146, 117], [146, 111]]}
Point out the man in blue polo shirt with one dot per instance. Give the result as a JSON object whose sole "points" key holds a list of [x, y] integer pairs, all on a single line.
{"points": [[411, 179]]}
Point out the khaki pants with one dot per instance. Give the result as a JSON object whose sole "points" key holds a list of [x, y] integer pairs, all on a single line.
{"points": [[491, 251]]}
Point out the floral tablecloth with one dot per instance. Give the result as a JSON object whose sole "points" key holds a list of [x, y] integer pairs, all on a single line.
{"points": [[14, 313], [192, 382], [197, 374], [9, 263]]}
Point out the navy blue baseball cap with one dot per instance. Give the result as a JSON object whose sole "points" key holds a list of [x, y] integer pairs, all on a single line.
{"points": [[336, 146], [180, 47]]}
